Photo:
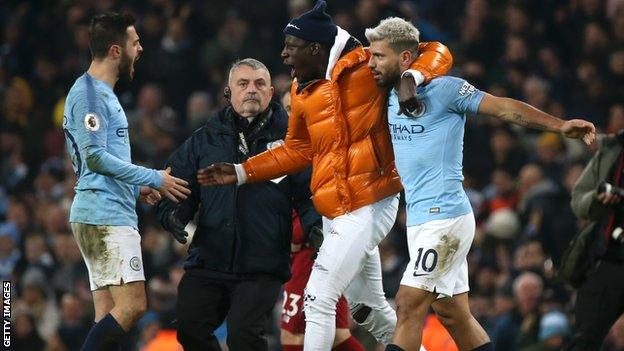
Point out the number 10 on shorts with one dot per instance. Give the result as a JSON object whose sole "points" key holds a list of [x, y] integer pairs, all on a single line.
{"points": [[425, 260]]}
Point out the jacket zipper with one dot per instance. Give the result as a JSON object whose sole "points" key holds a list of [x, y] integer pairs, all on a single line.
{"points": [[235, 216]]}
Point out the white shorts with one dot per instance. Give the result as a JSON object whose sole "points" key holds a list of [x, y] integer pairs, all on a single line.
{"points": [[112, 254], [438, 251]]}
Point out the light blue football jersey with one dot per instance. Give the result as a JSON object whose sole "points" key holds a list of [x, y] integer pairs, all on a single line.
{"points": [[428, 149], [96, 136]]}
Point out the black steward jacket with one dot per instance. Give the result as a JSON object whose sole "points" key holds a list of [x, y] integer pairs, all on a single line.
{"points": [[241, 230]]}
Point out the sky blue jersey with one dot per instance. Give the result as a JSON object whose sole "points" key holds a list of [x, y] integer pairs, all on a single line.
{"points": [[428, 149], [96, 136]]}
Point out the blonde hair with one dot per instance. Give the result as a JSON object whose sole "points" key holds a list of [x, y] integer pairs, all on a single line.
{"points": [[399, 33]]}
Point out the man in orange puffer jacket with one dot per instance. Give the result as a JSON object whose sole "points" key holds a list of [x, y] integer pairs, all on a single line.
{"points": [[339, 124]]}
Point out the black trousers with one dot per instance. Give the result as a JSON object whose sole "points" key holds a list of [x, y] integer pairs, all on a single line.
{"points": [[599, 303], [204, 303]]}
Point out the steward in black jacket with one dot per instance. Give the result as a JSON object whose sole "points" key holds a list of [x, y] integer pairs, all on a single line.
{"points": [[240, 253], [240, 230]]}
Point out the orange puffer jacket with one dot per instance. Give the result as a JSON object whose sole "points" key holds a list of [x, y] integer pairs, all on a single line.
{"points": [[340, 126]]}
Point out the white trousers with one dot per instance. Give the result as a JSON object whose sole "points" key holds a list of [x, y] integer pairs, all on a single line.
{"points": [[348, 262]]}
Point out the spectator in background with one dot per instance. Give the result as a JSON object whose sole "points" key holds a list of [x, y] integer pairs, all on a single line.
{"points": [[551, 156], [74, 324], [156, 125], [554, 331], [27, 338], [616, 119], [37, 254], [69, 269], [230, 42], [520, 327], [501, 193], [507, 151], [9, 250], [529, 256], [39, 301], [565, 224], [556, 73], [538, 195], [20, 214], [13, 167], [616, 75], [199, 108]]}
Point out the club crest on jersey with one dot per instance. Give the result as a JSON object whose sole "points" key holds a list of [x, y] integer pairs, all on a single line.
{"points": [[92, 122], [274, 144], [418, 112]]}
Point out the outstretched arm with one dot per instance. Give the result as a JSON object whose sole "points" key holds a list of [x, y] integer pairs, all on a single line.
{"points": [[89, 134], [293, 156], [523, 114]]}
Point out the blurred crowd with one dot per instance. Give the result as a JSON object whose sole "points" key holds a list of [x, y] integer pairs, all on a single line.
{"points": [[565, 57]]}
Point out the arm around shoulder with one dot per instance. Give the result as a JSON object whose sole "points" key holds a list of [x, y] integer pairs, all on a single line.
{"points": [[434, 60]]}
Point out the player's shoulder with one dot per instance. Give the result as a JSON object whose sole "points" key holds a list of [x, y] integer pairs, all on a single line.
{"points": [[87, 90], [78, 89], [446, 82], [450, 86]]}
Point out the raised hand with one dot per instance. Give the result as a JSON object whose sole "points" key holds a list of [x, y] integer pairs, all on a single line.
{"points": [[408, 99], [149, 196], [217, 174], [175, 189], [579, 129]]}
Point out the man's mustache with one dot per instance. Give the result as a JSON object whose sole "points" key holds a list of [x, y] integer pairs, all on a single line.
{"points": [[251, 98]]}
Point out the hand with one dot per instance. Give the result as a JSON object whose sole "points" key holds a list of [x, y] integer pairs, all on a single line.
{"points": [[579, 129], [608, 199], [149, 196], [173, 188], [408, 99], [176, 227], [217, 174]]}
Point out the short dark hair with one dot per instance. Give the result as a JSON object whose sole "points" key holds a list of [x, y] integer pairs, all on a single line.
{"points": [[106, 30]]}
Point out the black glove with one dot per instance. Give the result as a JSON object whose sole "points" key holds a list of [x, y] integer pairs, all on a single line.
{"points": [[408, 99], [315, 240], [176, 227]]}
